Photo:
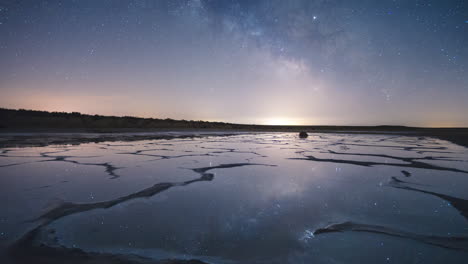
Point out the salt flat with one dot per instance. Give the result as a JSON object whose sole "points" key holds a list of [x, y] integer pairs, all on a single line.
{"points": [[245, 198]]}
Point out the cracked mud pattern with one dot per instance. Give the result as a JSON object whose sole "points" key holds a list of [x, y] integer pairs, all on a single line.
{"points": [[247, 198]]}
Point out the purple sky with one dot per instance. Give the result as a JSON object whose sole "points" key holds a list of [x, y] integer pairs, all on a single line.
{"points": [[266, 62]]}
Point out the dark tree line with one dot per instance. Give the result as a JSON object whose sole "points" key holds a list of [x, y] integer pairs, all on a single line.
{"points": [[22, 118]]}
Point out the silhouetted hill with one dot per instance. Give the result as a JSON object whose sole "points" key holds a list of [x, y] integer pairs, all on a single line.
{"points": [[32, 119], [26, 119]]}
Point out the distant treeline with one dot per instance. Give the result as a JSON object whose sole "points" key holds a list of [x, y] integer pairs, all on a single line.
{"points": [[22, 119]]}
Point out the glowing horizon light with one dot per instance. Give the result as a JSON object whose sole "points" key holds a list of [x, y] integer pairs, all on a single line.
{"points": [[282, 121]]}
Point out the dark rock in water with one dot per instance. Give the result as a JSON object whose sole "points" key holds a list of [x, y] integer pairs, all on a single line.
{"points": [[303, 134], [406, 173]]}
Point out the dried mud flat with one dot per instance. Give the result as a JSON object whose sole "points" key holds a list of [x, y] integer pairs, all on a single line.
{"points": [[233, 198]]}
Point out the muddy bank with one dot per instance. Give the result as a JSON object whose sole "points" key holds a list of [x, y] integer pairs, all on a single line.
{"points": [[8, 140], [41, 139]]}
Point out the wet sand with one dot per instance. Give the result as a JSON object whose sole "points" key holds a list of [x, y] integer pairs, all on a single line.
{"points": [[45, 137]]}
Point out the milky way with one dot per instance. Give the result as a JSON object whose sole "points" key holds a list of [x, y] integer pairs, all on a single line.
{"points": [[275, 62]]}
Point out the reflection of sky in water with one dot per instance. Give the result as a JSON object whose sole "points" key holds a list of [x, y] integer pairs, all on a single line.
{"points": [[249, 212]]}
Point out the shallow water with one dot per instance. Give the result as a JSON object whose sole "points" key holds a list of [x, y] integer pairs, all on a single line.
{"points": [[255, 198]]}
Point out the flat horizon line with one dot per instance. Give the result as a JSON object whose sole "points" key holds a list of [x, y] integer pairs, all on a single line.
{"points": [[228, 123]]}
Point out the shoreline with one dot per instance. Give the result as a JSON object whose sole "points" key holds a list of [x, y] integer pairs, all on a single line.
{"points": [[46, 137]]}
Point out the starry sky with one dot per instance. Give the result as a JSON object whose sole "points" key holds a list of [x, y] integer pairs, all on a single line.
{"points": [[313, 62]]}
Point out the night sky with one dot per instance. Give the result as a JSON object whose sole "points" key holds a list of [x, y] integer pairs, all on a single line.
{"points": [[266, 62]]}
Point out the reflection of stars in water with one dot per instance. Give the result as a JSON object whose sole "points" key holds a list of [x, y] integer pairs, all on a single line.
{"points": [[308, 234]]}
